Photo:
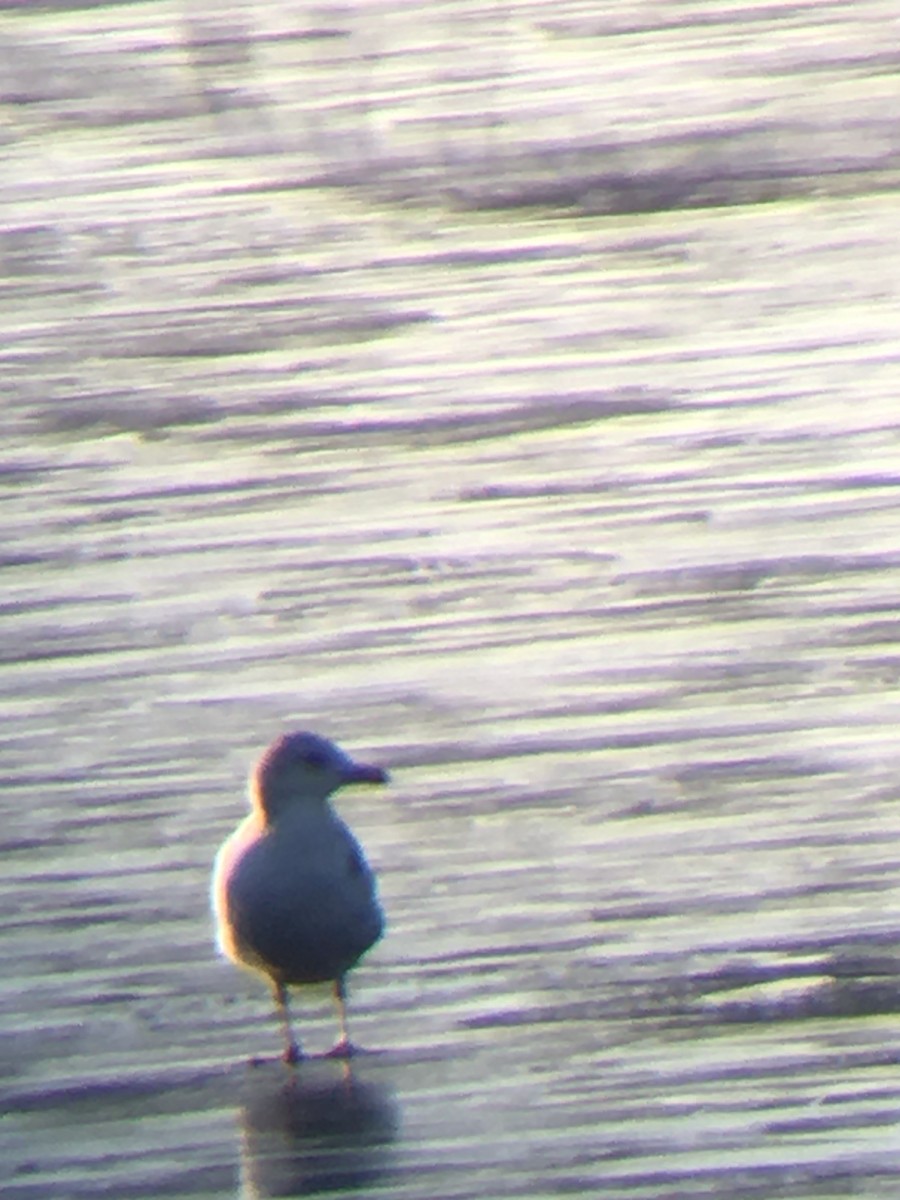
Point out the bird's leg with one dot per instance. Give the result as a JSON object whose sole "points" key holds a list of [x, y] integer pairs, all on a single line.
{"points": [[292, 1051], [343, 1047]]}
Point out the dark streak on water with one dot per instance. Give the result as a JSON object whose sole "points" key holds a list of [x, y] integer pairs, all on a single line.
{"points": [[512, 396]]}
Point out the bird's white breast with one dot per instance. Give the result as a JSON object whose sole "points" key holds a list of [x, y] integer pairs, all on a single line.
{"points": [[296, 899]]}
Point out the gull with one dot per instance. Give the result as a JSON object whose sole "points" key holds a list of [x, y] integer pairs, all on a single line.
{"points": [[293, 896]]}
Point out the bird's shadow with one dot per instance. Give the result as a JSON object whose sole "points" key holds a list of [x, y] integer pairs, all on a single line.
{"points": [[320, 1127]]}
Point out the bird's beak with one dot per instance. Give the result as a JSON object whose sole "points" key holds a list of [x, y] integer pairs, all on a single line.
{"points": [[363, 773]]}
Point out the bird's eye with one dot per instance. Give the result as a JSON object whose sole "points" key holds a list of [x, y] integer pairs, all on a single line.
{"points": [[317, 759]]}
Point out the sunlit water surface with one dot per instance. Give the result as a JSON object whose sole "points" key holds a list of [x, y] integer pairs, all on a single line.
{"points": [[510, 393]]}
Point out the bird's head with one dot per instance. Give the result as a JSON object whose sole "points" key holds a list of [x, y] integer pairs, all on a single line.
{"points": [[303, 768]]}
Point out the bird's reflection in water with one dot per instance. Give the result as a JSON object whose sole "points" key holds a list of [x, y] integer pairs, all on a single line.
{"points": [[323, 1128]]}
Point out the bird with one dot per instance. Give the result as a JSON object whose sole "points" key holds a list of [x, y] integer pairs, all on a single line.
{"points": [[293, 896]]}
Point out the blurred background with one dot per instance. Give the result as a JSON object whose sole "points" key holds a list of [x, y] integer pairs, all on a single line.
{"points": [[507, 391]]}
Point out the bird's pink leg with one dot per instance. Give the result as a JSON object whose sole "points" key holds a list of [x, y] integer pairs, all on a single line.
{"points": [[343, 1047], [292, 1052]]}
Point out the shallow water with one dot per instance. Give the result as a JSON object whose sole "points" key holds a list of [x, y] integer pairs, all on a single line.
{"points": [[511, 398]]}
